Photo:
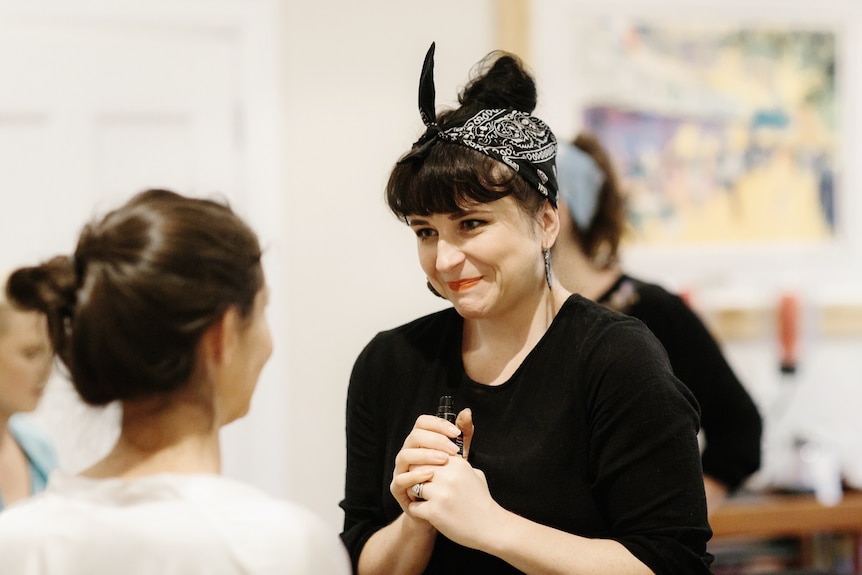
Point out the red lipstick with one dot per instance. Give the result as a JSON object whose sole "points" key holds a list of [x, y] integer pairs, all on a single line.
{"points": [[464, 284]]}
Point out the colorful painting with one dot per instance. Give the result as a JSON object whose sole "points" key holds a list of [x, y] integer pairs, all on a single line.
{"points": [[720, 134]]}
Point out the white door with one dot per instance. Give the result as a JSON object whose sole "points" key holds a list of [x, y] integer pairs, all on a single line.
{"points": [[105, 100]]}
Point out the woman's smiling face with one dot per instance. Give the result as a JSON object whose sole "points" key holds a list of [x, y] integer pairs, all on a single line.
{"points": [[485, 259]]}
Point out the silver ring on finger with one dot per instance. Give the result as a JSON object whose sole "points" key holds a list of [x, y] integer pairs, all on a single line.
{"points": [[417, 490]]}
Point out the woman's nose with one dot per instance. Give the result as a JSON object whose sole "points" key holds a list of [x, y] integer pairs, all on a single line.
{"points": [[448, 255]]}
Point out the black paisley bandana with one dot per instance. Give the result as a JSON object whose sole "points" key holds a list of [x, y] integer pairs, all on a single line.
{"points": [[519, 140]]}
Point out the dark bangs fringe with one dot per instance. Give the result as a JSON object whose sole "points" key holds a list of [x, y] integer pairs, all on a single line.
{"points": [[451, 178]]}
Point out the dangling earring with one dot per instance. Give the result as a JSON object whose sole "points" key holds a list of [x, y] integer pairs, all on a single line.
{"points": [[548, 267], [432, 290]]}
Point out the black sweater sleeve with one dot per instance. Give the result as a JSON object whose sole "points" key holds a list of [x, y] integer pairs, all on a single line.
{"points": [[647, 463], [393, 381], [731, 423], [363, 500]]}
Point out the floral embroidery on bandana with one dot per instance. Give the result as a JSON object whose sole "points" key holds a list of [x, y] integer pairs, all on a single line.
{"points": [[516, 138]]}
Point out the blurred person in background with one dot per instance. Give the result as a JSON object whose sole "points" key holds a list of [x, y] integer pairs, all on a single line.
{"points": [[586, 261], [26, 454]]}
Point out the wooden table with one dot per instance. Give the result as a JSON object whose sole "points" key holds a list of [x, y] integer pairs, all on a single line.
{"points": [[778, 515]]}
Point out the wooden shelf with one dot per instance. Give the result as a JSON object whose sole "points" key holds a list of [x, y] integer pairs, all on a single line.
{"points": [[760, 517], [786, 515]]}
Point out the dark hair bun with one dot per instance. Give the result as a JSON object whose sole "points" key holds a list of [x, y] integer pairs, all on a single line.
{"points": [[48, 288], [500, 81]]}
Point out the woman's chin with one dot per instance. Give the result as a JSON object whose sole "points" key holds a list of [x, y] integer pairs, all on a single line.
{"points": [[470, 309]]}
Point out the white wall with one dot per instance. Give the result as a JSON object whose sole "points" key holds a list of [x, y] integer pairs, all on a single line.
{"points": [[350, 85]]}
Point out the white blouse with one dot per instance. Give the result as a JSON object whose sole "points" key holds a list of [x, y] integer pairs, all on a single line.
{"points": [[166, 524]]}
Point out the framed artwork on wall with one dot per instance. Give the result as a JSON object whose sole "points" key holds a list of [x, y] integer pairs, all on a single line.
{"points": [[731, 125], [720, 133]]}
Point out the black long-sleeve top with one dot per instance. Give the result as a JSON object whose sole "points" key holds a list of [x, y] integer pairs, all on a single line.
{"points": [[731, 423], [592, 435]]}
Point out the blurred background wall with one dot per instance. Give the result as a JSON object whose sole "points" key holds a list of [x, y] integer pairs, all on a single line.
{"points": [[295, 112]]}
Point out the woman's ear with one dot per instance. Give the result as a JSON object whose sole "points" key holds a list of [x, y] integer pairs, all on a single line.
{"points": [[220, 340], [549, 218]]}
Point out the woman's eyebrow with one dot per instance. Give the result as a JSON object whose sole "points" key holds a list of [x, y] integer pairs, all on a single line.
{"points": [[452, 217]]}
